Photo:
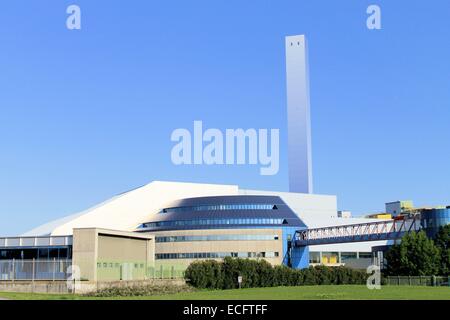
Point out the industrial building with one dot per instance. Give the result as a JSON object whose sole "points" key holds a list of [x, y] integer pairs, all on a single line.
{"points": [[158, 229]]}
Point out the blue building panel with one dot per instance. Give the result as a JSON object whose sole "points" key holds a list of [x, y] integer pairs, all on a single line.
{"points": [[433, 219]]}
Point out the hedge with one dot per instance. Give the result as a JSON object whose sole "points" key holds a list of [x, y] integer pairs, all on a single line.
{"points": [[140, 290], [212, 274]]}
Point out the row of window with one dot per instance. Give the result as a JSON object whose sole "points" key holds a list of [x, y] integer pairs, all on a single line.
{"points": [[336, 257], [219, 237], [215, 255], [200, 222], [221, 207], [35, 253], [116, 265]]}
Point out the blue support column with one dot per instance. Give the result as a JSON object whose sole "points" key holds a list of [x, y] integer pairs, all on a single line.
{"points": [[300, 257]]}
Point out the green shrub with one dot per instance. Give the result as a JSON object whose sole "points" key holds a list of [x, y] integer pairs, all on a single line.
{"points": [[205, 274], [140, 290], [210, 274]]}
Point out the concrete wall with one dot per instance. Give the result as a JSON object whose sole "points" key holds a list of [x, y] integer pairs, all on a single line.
{"points": [[36, 286], [84, 252], [124, 249], [93, 247], [61, 287]]}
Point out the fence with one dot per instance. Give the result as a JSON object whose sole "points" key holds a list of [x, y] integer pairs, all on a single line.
{"points": [[55, 269], [113, 271], [166, 272], [417, 281]]}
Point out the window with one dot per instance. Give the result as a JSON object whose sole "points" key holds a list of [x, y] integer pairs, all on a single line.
{"points": [[314, 257], [246, 221], [43, 253], [221, 207], [63, 253], [53, 253], [224, 237], [365, 255], [215, 255], [348, 255], [330, 257]]}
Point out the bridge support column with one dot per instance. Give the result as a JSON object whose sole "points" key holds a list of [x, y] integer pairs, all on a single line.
{"points": [[300, 257]]}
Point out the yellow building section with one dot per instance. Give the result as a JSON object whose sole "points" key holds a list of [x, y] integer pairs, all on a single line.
{"points": [[380, 216], [329, 259]]}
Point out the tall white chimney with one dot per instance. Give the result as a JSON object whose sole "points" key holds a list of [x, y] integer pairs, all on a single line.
{"points": [[298, 113]]}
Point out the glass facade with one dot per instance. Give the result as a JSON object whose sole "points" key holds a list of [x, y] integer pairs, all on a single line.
{"points": [[215, 255], [314, 257], [433, 219], [224, 237], [206, 222], [221, 207], [36, 253], [348, 255]]}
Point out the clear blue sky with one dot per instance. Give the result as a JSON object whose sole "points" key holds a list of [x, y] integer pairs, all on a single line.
{"points": [[87, 114]]}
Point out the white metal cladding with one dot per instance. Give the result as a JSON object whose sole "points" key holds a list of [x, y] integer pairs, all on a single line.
{"points": [[36, 241], [128, 210]]}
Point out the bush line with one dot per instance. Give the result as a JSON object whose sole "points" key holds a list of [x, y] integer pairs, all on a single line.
{"points": [[212, 274]]}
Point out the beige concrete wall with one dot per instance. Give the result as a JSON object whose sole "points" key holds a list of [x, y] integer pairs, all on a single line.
{"points": [[93, 246], [220, 246], [84, 254], [61, 287], [122, 249], [34, 286]]}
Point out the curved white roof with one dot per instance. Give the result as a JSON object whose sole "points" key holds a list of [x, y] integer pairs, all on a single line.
{"points": [[127, 210]]}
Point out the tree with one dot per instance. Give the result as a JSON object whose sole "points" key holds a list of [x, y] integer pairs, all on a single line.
{"points": [[416, 255], [442, 241]]}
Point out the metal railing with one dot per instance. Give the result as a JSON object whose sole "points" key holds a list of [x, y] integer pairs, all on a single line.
{"points": [[12, 270], [369, 231], [126, 270], [417, 281]]}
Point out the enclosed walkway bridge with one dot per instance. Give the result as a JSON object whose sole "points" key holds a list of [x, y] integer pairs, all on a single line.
{"points": [[369, 231]]}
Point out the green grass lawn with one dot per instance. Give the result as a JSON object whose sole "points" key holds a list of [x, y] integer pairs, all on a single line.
{"points": [[344, 292]]}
